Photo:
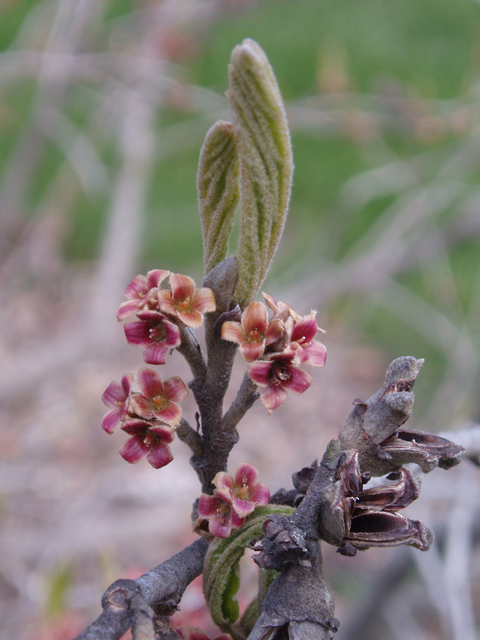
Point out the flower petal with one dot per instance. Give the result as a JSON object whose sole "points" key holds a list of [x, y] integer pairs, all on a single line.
{"points": [[242, 508], [204, 300], [155, 353], [233, 332], [138, 333], [192, 319], [136, 427], [140, 406], [252, 351], [171, 414], [315, 354], [259, 371], [163, 431], [134, 449], [182, 286], [111, 419], [175, 389], [223, 481], [159, 454], [207, 506], [155, 277], [260, 494], [137, 288], [306, 329], [150, 383], [246, 474], [299, 380], [172, 334], [255, 318], [113, 394], [126, 309], [165, 302], [272, 397]]}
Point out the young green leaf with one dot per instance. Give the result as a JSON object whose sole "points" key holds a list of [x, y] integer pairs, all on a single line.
{"points": [[266, 163], [221, 569], [218, 191]]}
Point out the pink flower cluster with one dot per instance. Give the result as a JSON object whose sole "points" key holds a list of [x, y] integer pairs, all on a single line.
{"points": [[161, 311], [232, 501], [148, 416], [276, 348]]}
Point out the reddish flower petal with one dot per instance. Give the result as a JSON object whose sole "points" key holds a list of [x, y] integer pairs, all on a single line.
{"points": [[192, 319], [260, 494], [171, 414], [233, 332], [255, 318], [207, 506], [172, 333], [237, 520], [182, 286], [204, 300], [271, 302], [134, 449], [175, 389], [224, 494], [315, 354], [165, 302], [137, 288], [155, 277], [223, 481], [246, 474], [138, 333], [272, 397], [306, 329], [140, 406], [275, 330], [150, 383], [126, 309], [155, 353], [114, 394], [127, 380], [220, 528], [111, 419], [259, 372], [164, 432], [253, 351], [242, 508], [299, 380], [136, 427], [159, 454]]}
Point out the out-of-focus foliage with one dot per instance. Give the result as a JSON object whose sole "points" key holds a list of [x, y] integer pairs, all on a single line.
{"points": [[104, 105]]}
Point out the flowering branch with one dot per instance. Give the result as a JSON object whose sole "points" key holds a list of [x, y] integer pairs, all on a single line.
{"points": [[330, 502]]}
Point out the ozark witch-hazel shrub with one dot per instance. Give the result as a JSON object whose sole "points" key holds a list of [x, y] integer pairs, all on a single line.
{"points": [[247, 164]]}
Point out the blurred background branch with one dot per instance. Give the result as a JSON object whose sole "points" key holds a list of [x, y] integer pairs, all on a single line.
{"points": [[104, 105]]}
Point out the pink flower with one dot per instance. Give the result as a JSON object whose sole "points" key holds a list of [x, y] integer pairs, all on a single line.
{"points": [[302, 337], [233, 500], [155, 333], [185, 301], [158, 400], [278, 375], [149, 440], [243, 492], [220, 515], [116, 396], [254, 331], [141, 292]]}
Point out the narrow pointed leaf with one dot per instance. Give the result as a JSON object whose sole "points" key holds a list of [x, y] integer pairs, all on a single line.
{"points": [[266, 163], [218, 191]]}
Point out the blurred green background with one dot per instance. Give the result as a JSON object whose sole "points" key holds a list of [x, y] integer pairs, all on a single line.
{"points": [[104, 105]]}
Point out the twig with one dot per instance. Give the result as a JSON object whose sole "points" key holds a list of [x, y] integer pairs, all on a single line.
{"points": [[163, 585]]}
